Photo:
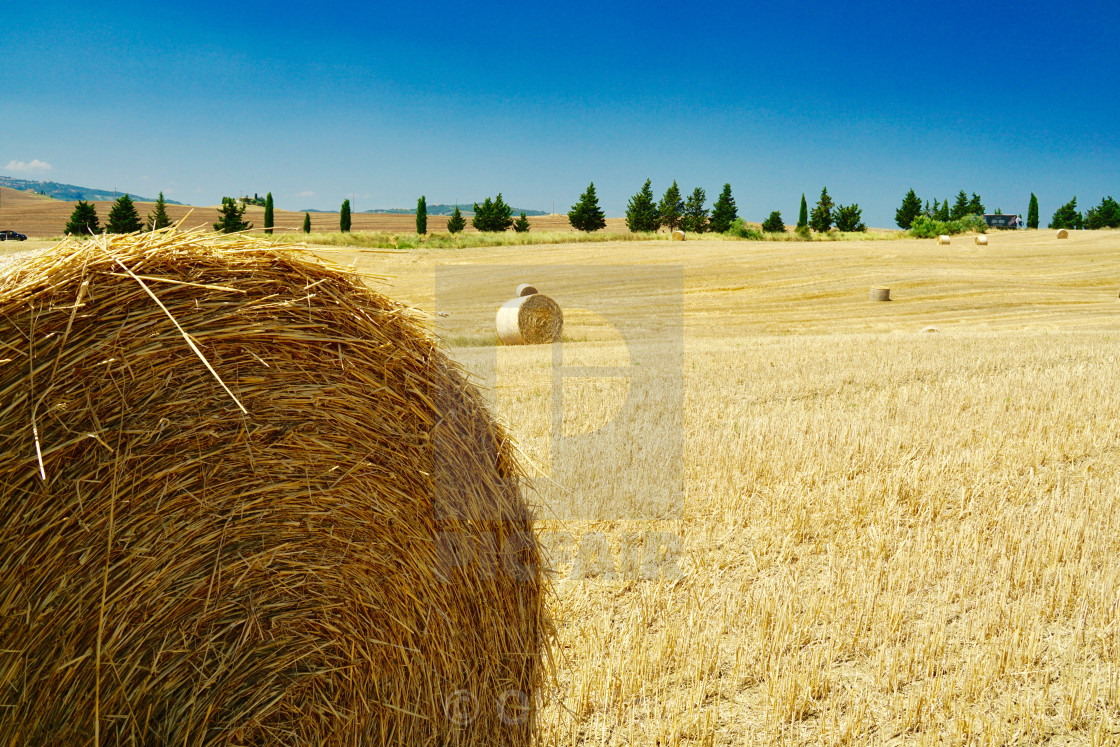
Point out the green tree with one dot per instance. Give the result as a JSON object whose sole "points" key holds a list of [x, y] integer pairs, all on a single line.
{"points": [[269, 213], [849, 218], [911, 208], [803, 214], [231, 217], [586, 215], [307, 222], [960, 207], [975, 207], [422, 215], [492, 216], [695, 217], [521, 225], [641, 211], [821, 218], [943, 214], [1067, 216], [1032, 212], [774, 224], [670, 211], [158, 219], [123, 217], [344, 217], [723, 211], [455, 223], [1105, 215], [83, 221]]}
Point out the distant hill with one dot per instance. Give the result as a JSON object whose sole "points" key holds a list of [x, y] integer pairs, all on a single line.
{"points": [[71, 192]]}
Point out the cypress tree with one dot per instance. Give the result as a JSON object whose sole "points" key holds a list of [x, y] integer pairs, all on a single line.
{"points": [[422, 215], [158, 219], [803, 215], [821, 219], [268, 213], [307, 222], [723, 211], [83, 221], [586, 215], [911, 208], [231, 217], [641, 211], [344, 217], [943, 214], [670, 210], [1032, 212], [455, 223], [123, 217], [695, 218], [521, 225], [774, 224]]}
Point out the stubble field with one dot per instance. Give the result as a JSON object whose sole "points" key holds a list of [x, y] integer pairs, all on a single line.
{"points": [[814, 523], [887, 536]]}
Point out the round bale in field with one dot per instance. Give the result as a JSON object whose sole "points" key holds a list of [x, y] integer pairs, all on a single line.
{"points": [[982, 240], [1063, 233], [942, 239], [678, 235], [525, 290], [529, 320], [880, 294], [248, 500]]}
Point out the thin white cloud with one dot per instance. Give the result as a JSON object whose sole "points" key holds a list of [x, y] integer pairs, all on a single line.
{"points": [[306, 193], [22, 167]]}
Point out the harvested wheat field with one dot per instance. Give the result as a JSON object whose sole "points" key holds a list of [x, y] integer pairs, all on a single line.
{"points": [[886, 536], [247, 500]]}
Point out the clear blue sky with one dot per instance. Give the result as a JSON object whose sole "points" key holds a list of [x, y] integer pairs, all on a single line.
{"points": [[385, 102]]}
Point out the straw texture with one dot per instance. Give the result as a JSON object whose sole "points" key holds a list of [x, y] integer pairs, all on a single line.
{"points": [[247, 500]]}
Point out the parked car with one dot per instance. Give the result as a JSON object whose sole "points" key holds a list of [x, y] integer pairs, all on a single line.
{"points": [[12, 236]]}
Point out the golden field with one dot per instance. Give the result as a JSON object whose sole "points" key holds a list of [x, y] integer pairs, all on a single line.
{"points": [[887, 536]]}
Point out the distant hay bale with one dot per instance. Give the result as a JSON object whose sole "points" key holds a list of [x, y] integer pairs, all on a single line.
{"points": [[982, 240], [942, 239], [930, 329], [529, 320], [298, 525], [880, 294], [1063, 233], [678, 235], [525, 290]]}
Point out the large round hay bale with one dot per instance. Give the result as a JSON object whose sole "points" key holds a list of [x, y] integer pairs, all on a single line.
{"points": [[678, 235], [1063, 233], [982, 240], [300, 527], [880, 294], [525, 290], [943, 239], [529, 320]]}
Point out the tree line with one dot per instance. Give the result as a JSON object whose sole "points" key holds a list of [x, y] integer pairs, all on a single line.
{"points": [[912, 211]]}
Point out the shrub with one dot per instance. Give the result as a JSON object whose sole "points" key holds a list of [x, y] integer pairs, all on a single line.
{"points": [[849, 218], [774, 224], [925, 227], [739, 229], [803, 232]]}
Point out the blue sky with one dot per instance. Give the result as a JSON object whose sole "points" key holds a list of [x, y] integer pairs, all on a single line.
{"points": [[384, 102]]}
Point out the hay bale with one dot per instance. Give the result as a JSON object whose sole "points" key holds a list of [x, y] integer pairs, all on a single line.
{"points": [[529, 320], [678, 235], [942, 239], [525, 290], [301, 527], [1063, 233], [982, 240], [880, 294]]}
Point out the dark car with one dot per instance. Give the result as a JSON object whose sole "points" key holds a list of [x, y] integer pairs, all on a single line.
{"points": [[12, 236]]}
